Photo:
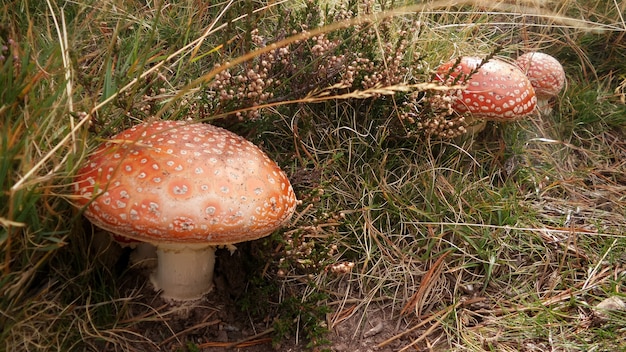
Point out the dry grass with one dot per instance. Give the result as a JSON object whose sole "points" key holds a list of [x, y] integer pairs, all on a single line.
{"points": [[512, 239]]}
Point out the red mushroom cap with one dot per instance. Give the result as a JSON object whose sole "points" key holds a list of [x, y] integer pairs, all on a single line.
{"points": [[124, 241], [544, 72], [495, 90], [174, 181]]}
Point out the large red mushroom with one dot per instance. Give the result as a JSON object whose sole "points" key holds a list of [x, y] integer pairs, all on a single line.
{"points": [[495, 90], [185, 188]]}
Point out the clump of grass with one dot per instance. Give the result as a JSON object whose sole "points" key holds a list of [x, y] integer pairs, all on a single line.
{"points": [[507, 241]]}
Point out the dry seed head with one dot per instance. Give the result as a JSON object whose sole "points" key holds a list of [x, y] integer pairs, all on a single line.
{"points": [[340, 268]]}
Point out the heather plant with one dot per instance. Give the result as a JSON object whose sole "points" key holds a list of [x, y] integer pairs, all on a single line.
{"points": [[332, 63]]}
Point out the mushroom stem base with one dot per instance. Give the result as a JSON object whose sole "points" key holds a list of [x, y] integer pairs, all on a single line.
{"points": [[184, 272], [544, 106]]}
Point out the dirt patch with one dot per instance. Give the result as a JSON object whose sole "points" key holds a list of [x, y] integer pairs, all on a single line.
{"points": [[218, 322], [376, 330]]}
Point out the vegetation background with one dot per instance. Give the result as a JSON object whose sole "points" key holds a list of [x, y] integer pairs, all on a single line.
{"points": [[410, 235]]}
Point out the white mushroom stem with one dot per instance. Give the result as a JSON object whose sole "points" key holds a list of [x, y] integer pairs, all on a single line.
{"points": [[184, 271], [544, 105]]}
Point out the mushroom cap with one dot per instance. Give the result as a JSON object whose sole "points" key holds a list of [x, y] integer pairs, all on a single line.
{"points": [[181, 182], [544, 72], [494, 90], [124, 241]]}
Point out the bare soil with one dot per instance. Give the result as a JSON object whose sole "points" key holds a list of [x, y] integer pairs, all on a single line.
{"points": [[218, 323]]}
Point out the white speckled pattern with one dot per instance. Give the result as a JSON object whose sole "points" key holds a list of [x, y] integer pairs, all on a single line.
{"points": [[177, 181], [496, 91], [546, 73]]}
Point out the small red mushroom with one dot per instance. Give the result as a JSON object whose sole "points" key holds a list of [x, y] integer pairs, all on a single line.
{"points": [[185, 188], [546, 75], [495, 90]]}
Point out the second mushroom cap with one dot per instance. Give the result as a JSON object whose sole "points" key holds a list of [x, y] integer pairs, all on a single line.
{"points": [[545, 73], [495, 90]]}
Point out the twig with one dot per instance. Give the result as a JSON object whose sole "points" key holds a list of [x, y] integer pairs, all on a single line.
{"points": [[250, 338], [422, 336], [440, 314], [425, 286], [192, 328], [248, 341]]}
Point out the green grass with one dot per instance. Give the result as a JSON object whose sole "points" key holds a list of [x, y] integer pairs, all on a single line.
{"points": [[507, 240]]}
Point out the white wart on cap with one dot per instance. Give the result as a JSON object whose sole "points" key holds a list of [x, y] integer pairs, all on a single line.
{"points": [[186, 188], [495, 90]]}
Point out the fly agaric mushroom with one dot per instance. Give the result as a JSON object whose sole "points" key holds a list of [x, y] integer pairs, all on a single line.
{"points": [[495, 90], [545, 74], [185, 188]]}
